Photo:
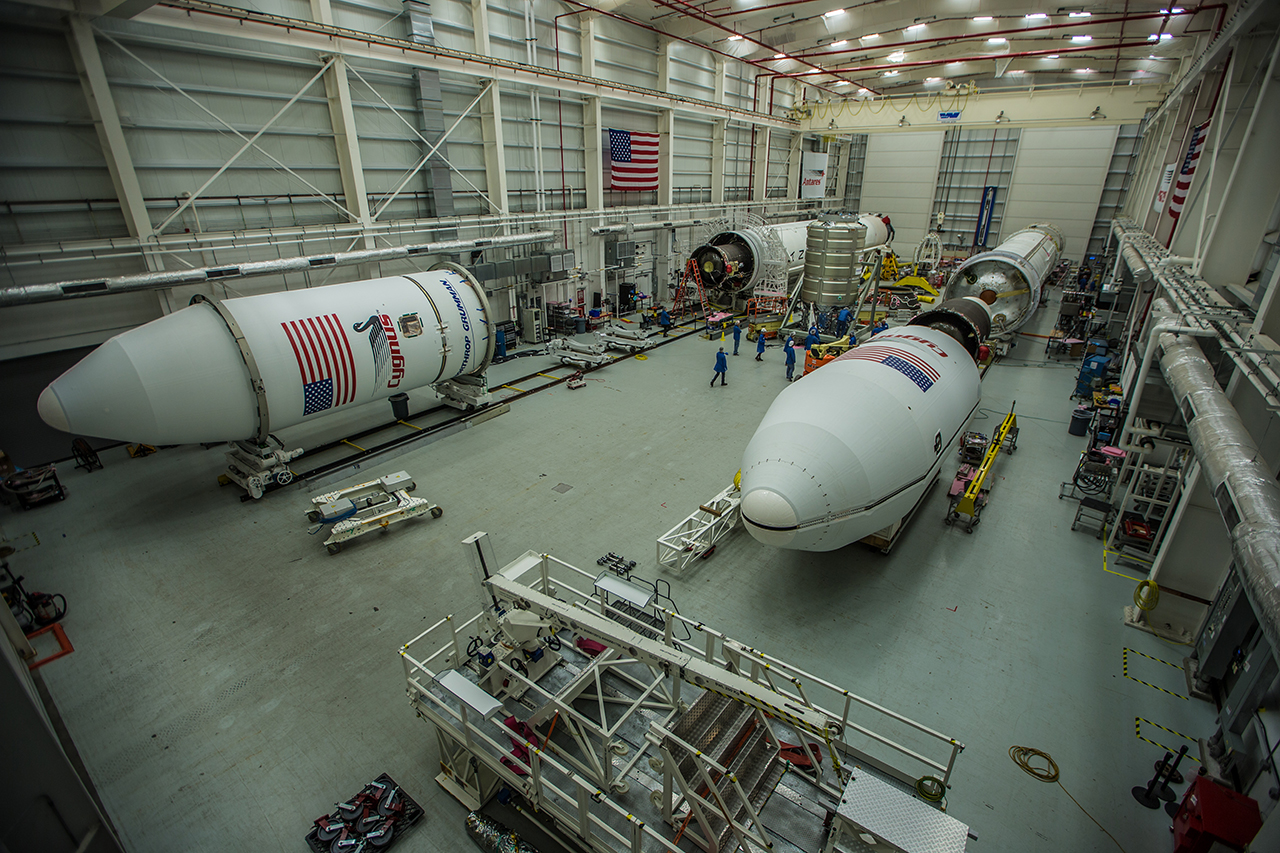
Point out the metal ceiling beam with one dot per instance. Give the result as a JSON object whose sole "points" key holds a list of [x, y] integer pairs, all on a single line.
{"points": [[228, 22], [1246, 16]]}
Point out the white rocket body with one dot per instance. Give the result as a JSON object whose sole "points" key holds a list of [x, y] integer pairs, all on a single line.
{"points": [[735, 260], [257, 364], [1010, 277], [850, 448]]}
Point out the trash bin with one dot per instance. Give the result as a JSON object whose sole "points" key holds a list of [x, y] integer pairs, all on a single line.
{"points": [[580, 325], [400, 406], [1080, 420]]}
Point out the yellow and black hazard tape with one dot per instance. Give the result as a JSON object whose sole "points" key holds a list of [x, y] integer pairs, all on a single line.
{"points": [[1125, 670], [1137, 730]]}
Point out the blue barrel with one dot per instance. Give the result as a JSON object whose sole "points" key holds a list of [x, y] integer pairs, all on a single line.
{"points": [[1080, 420]]}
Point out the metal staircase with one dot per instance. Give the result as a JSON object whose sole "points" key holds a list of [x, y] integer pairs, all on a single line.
{"points": [[727, 763], [681, 302]]}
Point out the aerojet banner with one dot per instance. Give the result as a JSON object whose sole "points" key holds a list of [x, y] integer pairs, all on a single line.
{"points": [[813, 174]]}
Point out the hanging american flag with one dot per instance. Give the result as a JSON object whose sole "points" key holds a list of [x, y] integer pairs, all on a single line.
{"points": [[325, 362], [1188, 170], [904, 361], [634, 160]]}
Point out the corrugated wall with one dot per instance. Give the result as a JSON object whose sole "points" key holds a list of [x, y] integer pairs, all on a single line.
{"points": [[899, 179], [1058, 178]]}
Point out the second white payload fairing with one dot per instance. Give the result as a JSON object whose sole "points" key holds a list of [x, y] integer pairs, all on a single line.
{"points": [[1010, 276], [850, 448], [242, 368]]}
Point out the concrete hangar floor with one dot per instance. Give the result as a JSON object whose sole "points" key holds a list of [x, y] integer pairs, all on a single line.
{"points": [[231, 680]]}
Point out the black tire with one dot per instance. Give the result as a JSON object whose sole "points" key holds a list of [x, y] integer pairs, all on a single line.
{"points": [[436, 512], [313, 516], [333, 548]]}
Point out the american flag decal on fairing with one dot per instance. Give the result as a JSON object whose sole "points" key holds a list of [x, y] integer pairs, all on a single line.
{"points": [[325, 362], [904, 361]]}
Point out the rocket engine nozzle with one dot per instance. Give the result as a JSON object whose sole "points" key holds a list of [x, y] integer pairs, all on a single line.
{"points": [[968, 320]]}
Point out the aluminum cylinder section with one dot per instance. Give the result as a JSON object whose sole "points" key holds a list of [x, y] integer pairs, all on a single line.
{"points": [[1009, 278], [327, 348], [850, 448]]}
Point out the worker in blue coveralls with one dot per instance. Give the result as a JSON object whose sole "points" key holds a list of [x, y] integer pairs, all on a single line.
{"points": [[722, 369], [791, 357], [811, 339], [664, 320], [759, 344], [737, 335], [842, 322]]}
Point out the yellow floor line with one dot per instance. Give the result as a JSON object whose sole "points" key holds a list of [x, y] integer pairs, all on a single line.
{"points": [[549, 376], [411, 426], [513, 388], [356, 446]]}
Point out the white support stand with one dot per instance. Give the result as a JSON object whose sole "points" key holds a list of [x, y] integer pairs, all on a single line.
{"points": [[698, 534], [366, 507], [254, 467]]}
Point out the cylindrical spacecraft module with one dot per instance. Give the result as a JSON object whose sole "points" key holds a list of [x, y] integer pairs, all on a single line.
{"points": [[832, 273], [733, 261], [1009, 277], [241, 368]]}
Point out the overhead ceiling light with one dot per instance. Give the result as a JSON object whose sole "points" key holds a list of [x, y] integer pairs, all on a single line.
{"points": [[1081, 38], [1016, 71], [902, 122], [914, 27], [833, 13], [890, 74], [735, 38], [1035, 16], [870, 36], [1052, 56], [896, 56], [998, 40], [1175, 10], [1079, 14], [1159, 36], [862, 92], [1151, 56], [779, 56], [982, 19], [1001, 117], [843, 83], [840, 43], [1084, 70], [933, 79], [1097, 114], [953, 64], [1166, 36]]}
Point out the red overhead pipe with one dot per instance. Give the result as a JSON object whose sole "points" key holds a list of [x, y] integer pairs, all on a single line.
{"points": [[1083, 22], [694, 13], [588, 8], [927, 62]]}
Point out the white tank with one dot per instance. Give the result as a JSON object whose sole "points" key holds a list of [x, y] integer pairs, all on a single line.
{"points": [[245, 367], [851, 447], [1010, 277]]}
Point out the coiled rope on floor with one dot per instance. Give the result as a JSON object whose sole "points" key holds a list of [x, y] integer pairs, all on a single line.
{"points": [[1023, 756]]}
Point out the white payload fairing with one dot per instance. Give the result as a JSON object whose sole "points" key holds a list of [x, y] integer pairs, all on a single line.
{"points": [[734, 261], [1009, 277], [850, 448], [242, 368]]}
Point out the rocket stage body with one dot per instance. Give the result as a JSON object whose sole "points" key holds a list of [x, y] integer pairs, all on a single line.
{"points": [[850, 448], [245, 367]]}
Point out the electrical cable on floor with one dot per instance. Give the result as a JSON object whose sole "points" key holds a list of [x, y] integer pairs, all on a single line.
{"points": [[1147, 595], [1024, 755]]}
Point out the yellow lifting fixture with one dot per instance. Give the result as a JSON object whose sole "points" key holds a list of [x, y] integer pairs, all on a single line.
{"points": [[974, 497]]}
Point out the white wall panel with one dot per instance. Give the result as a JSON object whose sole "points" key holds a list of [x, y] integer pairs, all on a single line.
{"points": [[1058, 178], [899, 178]]}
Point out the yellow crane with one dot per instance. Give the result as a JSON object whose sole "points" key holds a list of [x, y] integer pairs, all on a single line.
{"points": [[973, 499]]}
